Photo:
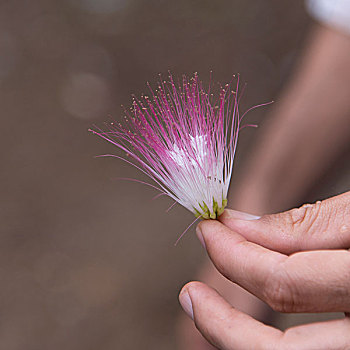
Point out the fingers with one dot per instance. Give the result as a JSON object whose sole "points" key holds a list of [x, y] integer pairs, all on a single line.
{"points": [[323, 225], [317, 281], [189, 338], [227, 328], [222, 325]]}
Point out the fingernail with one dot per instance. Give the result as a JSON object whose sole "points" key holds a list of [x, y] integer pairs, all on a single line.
{"points": [[240, 215], [186, 303], [200, 237]]}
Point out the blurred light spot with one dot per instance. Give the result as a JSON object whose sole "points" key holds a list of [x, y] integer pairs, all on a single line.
{"points": [[86, 95], [107, 17], [101, 6], [93, 59], [8, 54]]}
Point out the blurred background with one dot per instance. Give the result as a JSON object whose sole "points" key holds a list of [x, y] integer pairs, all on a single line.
{"points": [[87, 261]]}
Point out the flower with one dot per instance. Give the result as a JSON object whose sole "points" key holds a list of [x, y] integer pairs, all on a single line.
{"points": [[184, 140]]}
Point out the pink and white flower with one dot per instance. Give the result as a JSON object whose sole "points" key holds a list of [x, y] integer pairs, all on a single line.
{"points": [[184, 138]]}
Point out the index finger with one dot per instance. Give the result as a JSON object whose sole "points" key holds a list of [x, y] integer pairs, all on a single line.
{"points": [[303, 282], [322, 225]]}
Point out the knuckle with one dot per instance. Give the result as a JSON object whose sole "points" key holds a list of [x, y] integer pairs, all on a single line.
{"points": [[279, 293], [309, 218], [305, 216]]}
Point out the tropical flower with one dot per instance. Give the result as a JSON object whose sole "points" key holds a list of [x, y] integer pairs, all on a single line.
{"points": [[184, 138]]}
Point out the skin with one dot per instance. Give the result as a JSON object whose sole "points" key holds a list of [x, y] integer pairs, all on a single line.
{"points": [[295, 261], [308, 128]]}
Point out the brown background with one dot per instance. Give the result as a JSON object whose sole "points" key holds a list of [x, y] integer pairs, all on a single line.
{"points": [[88, 262]]}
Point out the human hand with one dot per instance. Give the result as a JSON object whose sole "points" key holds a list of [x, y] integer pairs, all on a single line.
{"points": [[282, 259], [189, 338]]}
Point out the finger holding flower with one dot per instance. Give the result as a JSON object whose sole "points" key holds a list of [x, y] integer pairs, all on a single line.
{"points": [[284, 260]]}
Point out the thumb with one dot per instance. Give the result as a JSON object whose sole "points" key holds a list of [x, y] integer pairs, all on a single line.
{"points": [[322, 225]]}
